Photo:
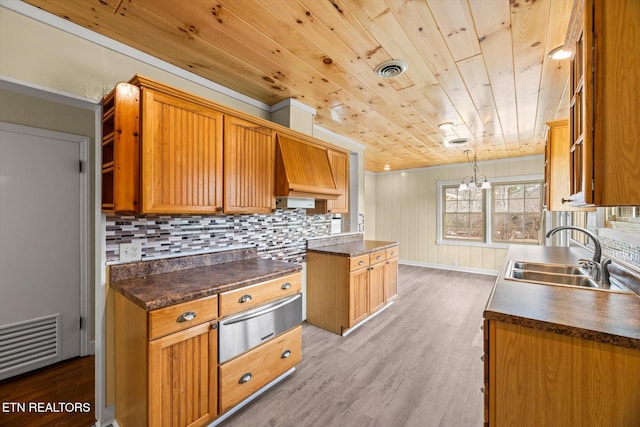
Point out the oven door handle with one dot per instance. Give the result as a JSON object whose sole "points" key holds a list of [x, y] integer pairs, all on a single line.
{"points": [[260, 312]]}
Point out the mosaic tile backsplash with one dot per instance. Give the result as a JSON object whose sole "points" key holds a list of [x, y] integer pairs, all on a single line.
{"points": [[622, 243], [281, 235]]}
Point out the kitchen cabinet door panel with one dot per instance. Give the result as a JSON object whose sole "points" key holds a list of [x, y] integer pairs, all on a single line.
{"points": [[540, 378], [181, 156], [340, 168], [377, 292], [358, 296], [604, 85], [183, 378], [249, 167]]}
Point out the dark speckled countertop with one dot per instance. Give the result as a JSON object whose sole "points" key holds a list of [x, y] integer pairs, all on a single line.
{"points": [[356, 248], [172, 287], [596, 315]]}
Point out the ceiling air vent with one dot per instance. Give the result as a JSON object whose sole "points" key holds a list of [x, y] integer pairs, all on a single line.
{"points": [[459, 141], [392, 68]]}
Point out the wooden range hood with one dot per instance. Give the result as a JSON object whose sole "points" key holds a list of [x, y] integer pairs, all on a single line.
{"points": [[303, 170]]}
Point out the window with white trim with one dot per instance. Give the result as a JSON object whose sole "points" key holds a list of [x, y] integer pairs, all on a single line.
{"points": [[517, 212], [509, 212], [464, 214]]}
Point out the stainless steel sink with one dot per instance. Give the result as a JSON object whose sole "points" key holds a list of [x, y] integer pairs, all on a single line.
{"points": [[554, 278], [555, 274], [549, 268]]}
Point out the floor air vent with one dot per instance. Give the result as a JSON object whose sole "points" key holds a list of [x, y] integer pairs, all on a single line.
{"points": [[27, 344]]}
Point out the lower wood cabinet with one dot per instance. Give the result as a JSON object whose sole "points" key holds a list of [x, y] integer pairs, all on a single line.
{"points": [[166, 367], [343, 291], [358, 297], [539, 378], [391, 273], [182, 377], [247, 373], [166, 360], [377, 285]]}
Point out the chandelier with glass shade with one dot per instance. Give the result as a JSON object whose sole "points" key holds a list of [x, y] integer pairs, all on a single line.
{"points": [[474, 181]]}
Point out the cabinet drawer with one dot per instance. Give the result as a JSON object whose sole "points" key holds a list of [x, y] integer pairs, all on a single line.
{"points": [[177, 317], [376, 257], [391, 252], [246, 374], [358, 262], [252, 296]]}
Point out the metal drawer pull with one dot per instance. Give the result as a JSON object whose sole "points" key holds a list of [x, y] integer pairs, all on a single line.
{"points": [[285, 286], [378, 257], [245, 378], [286, 354], [185, 317], [360, 262], [244, 298]]}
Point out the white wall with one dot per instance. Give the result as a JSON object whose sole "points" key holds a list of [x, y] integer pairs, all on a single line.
{"points": [[370, 205], [405, 211]]}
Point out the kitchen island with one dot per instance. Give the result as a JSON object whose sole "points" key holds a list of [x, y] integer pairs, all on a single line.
{"points": [[560, 355], [349, 280]]}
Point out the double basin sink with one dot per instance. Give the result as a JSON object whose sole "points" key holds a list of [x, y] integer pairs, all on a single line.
{"points": [[556, 274]]}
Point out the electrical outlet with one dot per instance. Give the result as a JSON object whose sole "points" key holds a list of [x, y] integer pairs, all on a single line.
{"points": [[130, 252]]}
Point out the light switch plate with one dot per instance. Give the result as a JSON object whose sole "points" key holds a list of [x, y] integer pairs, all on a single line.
{"points": [[130, 252]]}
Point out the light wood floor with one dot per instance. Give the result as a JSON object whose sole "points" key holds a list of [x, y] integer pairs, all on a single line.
{"points": [[417, 364]]}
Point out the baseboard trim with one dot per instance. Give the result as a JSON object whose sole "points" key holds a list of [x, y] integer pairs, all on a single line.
{"points": [[348, 331], [450, 267]]}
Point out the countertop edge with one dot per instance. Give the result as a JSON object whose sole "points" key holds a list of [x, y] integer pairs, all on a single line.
{"points": [[566, 330], [155, 304], [333, 250], [602, 336]]}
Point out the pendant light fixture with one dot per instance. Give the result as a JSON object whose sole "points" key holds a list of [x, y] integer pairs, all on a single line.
{"points": [[474, 181]]}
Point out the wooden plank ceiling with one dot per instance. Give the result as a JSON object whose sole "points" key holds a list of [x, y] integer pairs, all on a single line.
{"points": [[480, 64]]}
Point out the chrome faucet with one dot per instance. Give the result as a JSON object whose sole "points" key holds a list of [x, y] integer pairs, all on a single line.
{"points": [[595, 266]]}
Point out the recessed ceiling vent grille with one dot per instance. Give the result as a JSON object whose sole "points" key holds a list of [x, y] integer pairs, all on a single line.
{"points": [[392, 68], [459, 141], [28, 343]]}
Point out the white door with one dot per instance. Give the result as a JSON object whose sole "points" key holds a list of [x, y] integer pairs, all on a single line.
{"points": [[40, 244]]}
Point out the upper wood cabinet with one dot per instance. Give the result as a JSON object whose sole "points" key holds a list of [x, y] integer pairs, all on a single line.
{"points": [[249, 166], [339, 163], [604, 82], [165, 151], [303, 169], [556, 168], [121, 149], [181, 155]]}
